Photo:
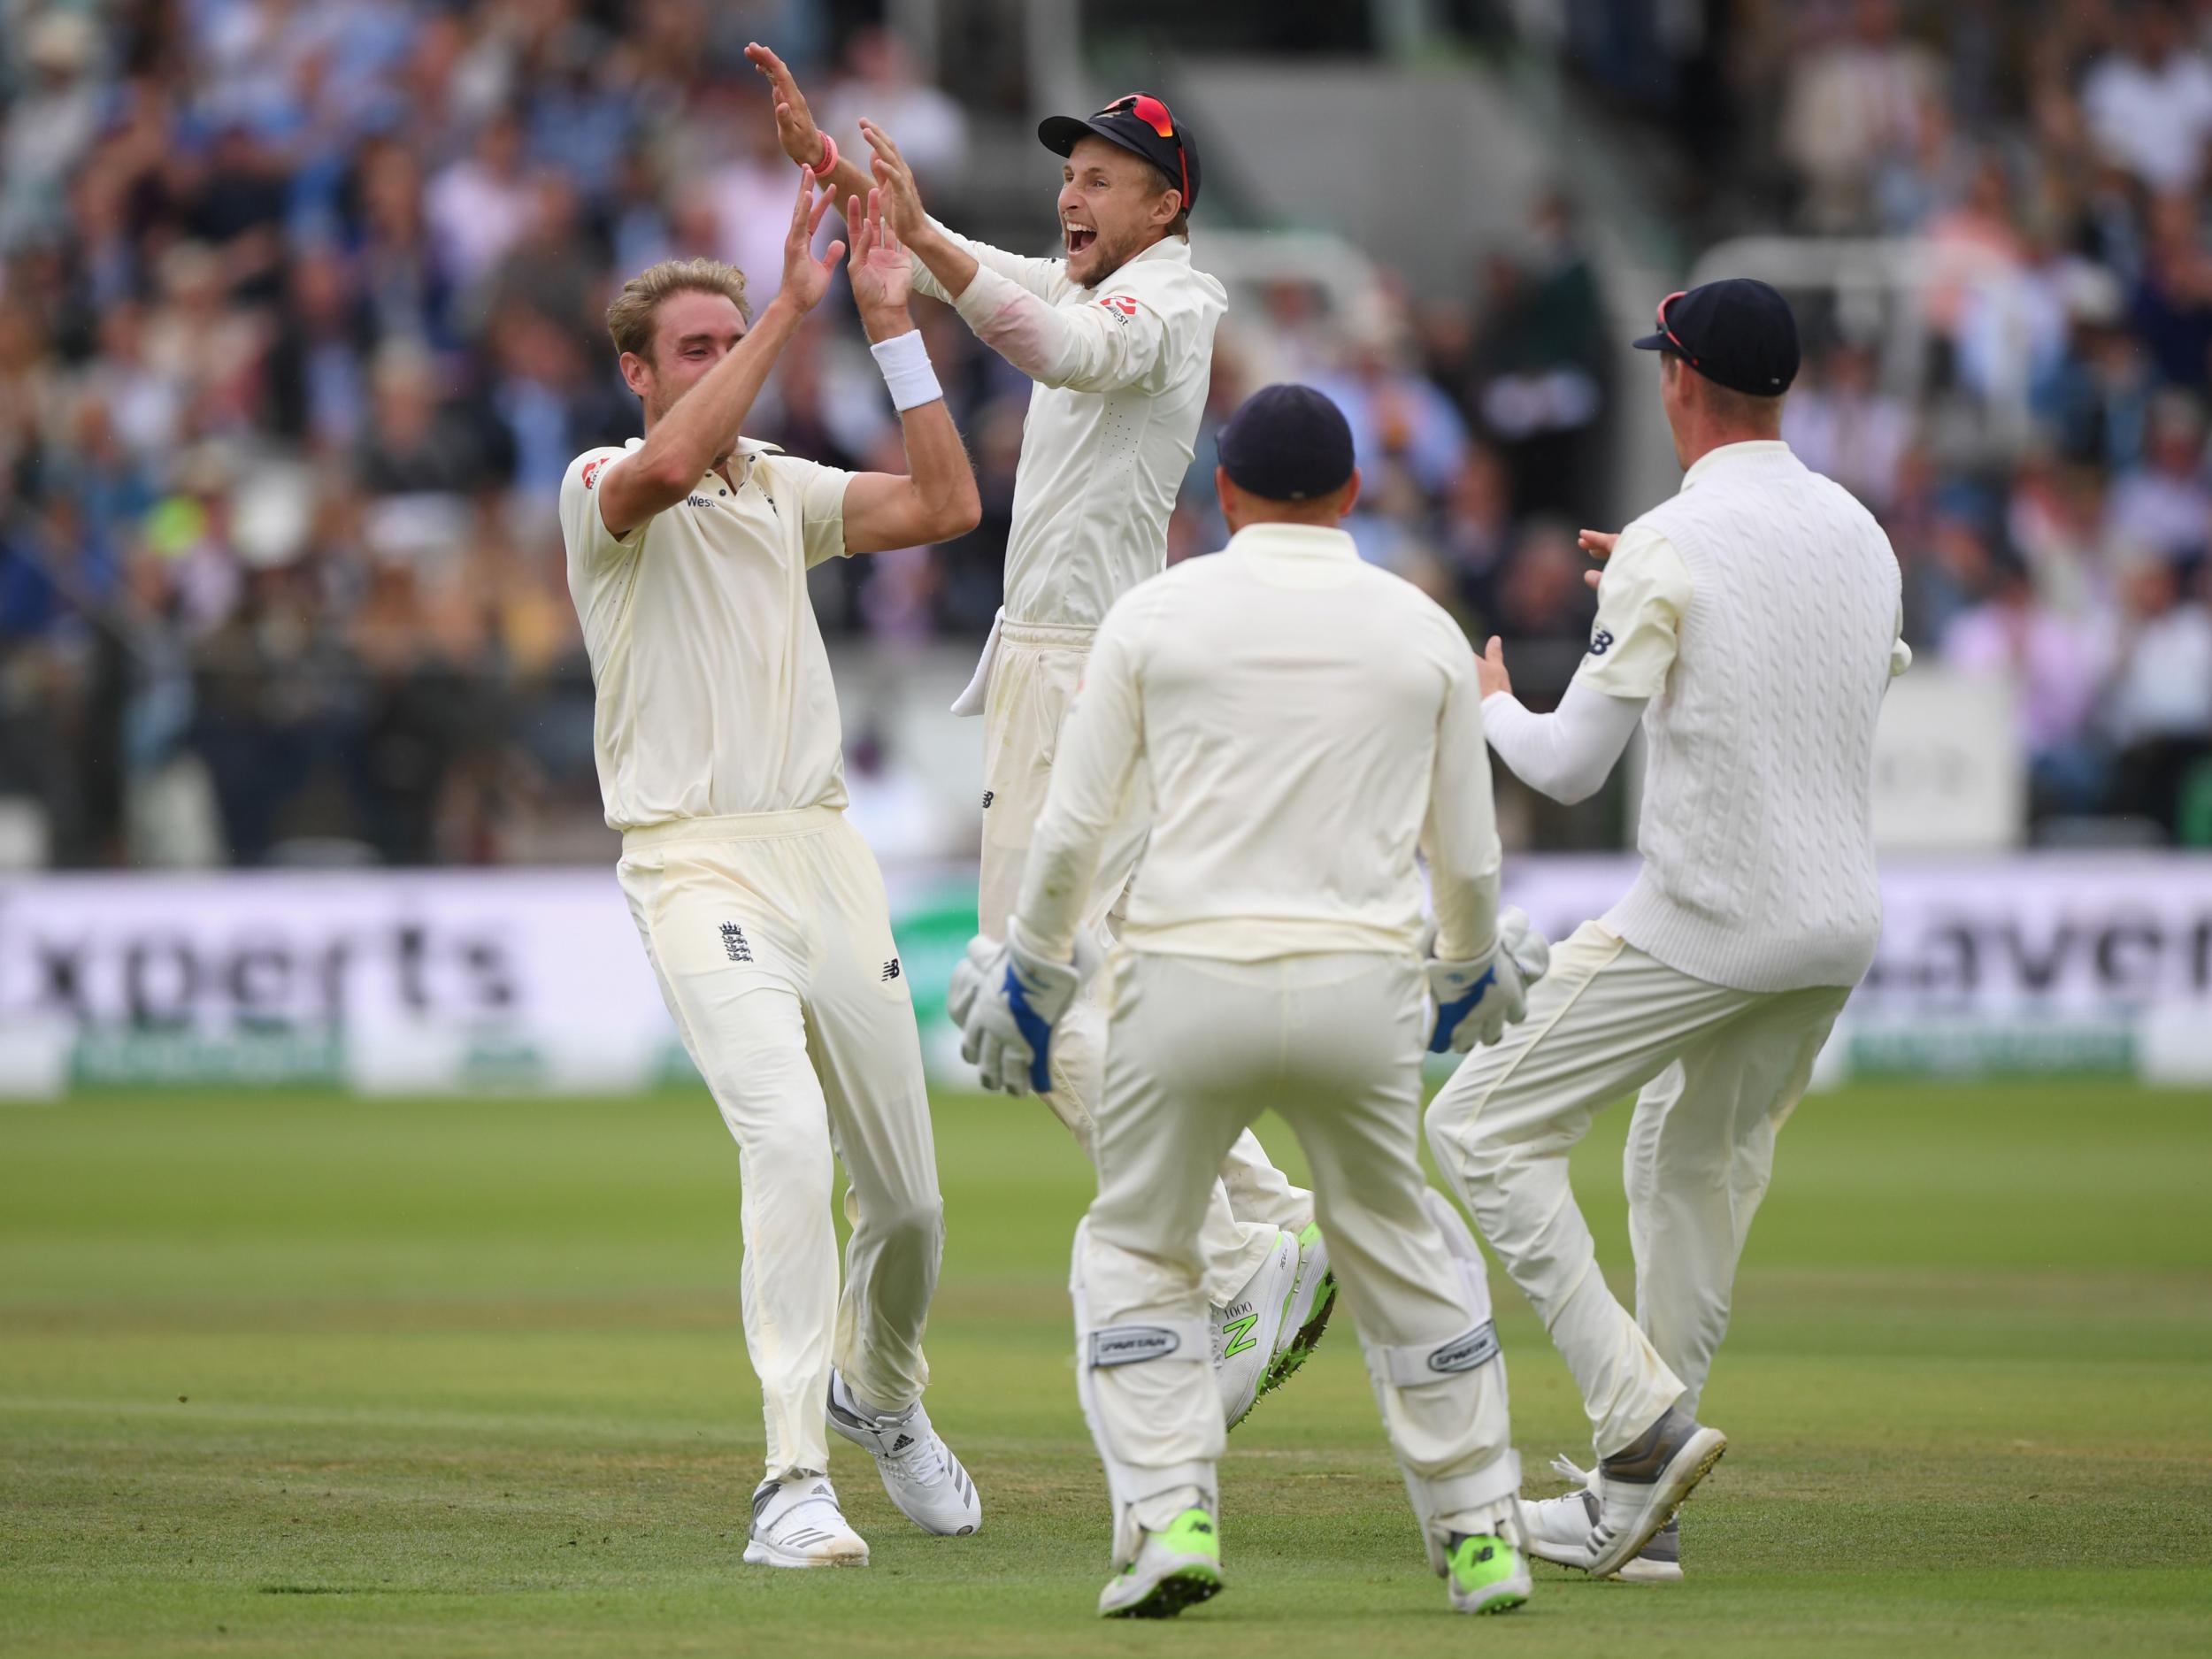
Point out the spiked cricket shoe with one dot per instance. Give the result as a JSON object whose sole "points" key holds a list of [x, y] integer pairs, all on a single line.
{"points": [[1174, 1569], [1559, 1531], [1640, 1486], [1274, 1324], [1486, 1574], [923, 1478]]}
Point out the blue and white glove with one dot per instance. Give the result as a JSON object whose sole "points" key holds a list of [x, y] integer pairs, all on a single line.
{"points": [[1476, 1000], [1006, 999]]}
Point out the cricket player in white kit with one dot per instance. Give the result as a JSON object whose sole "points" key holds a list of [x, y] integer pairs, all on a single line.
{"points": [[1293, 723], [1751, 624], [761, 908], [1118, 338]]}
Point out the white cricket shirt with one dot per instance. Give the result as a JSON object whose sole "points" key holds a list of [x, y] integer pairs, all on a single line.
{"points": [[1121, 372], [713, 688], [1303, 721]]}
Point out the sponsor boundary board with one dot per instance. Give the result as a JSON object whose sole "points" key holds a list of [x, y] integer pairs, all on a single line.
{"points": [[533, 980]]}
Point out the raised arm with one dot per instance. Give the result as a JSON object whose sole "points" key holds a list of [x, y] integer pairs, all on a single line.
{"points": [[1102, 347], [700, 426], [935, 498], [806, 144]]}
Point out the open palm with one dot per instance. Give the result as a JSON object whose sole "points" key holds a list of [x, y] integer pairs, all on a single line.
{"points": [[805, 278], [882, 273]]}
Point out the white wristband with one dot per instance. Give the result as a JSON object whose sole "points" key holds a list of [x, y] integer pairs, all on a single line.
{"points": [[904, 361]]}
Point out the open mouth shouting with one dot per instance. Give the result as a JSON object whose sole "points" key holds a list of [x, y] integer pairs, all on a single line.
{"points": [[1078, 237]]}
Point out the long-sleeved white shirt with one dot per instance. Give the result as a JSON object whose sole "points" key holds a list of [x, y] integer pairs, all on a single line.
{"points": [[1302, 722], [1121, 371]]}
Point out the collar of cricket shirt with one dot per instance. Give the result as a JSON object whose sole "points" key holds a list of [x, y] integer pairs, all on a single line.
{"points": [[1302, 541], [1728, 452]]}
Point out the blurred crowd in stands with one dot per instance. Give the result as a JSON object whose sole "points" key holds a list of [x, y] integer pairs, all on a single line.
{"points": [[300, 318]]}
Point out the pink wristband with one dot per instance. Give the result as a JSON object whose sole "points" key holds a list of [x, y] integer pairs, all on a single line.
{"points": [[828, 163]]}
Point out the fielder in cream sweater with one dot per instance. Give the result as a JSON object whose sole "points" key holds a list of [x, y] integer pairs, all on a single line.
{"points": [[1298, 723], [1750, 623]]}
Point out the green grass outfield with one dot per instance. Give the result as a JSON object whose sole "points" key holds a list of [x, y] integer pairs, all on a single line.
{"points": [[292, 1375]]}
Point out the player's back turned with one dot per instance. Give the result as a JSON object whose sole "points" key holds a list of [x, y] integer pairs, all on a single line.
{"points": [[1293, 697]]}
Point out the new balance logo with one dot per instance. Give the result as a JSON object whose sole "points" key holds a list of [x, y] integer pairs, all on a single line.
{"points": [[733, 943], [1601, 642], [989, 795], [891, 969], [1239, 1334]]}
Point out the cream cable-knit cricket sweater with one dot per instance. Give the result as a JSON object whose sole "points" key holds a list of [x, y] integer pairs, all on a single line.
{"points": [[1757, 830]]}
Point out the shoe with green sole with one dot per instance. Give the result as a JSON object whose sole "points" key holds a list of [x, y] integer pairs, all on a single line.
{"points": [[1177, 1567], [1306, 1310], [1486, 1575]]}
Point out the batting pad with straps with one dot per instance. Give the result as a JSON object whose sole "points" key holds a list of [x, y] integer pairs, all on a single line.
{"points": [[1468, 1362], [1104, 1350]]}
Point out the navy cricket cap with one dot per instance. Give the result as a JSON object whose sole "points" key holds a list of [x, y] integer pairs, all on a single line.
{"points": [[1140, 123], [1737, 333], [1287, 443]]}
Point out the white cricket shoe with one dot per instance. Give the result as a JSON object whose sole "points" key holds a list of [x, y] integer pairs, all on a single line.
{"points": [[919, 1471], [796, 1523], [1640, 1486], [1267, 1329], [1558, 1531]]}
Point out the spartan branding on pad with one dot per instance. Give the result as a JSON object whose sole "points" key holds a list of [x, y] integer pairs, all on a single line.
{"points": [[1132, 1344], [1478, 1347]]}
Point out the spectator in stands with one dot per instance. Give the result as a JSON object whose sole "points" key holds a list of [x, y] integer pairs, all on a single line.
{"points": [[1854, 100], [881, 83], [479, 206], [1535, 383], [2149, 103], [2056, 665], [2160, 709], [2165, 508], [1844, 425]]}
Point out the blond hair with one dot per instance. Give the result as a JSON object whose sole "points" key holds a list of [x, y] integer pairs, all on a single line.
{"points": [[630, 319]]}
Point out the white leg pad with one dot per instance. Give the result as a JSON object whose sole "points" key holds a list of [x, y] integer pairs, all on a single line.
{"points": [[1467, 1364], [1184, 1343]]}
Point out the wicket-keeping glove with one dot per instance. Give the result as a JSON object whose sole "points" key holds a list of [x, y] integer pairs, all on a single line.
{"points": [[1006, 999], [1476, 1000]]}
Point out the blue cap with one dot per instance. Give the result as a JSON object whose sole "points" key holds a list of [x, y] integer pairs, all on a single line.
{"points": [[1737, 333], [1287, 443]]}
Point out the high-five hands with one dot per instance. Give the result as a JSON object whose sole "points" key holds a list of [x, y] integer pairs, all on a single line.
{"points": [[795, 130], [805, 278], [902, 197], [882, 274]]}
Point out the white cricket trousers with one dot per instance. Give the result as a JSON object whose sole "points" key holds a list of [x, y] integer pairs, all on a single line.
{"points": [[1719, 1071], [771, 939], [1032, 682], [1199, 1049]]}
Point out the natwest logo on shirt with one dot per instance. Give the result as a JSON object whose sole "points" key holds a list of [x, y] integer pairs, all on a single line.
{"points": [[1123, 307]]}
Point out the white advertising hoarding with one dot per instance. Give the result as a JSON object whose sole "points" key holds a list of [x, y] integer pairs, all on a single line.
{"points": [[434, 980]]}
